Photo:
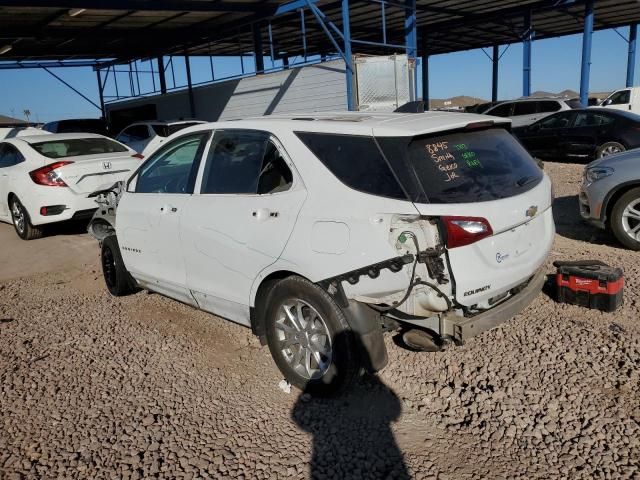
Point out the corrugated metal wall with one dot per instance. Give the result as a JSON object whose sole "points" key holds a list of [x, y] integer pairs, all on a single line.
{"points": [[318, 87]]}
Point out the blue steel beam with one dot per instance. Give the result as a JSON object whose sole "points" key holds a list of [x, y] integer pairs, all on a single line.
{"points": [[585, 68], [631, 57], [526, 56], [495, 60], [293, 6], [348, 58], [411, 41]]}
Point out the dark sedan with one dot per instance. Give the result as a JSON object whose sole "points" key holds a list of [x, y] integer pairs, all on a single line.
{"points": [[583, 134]]}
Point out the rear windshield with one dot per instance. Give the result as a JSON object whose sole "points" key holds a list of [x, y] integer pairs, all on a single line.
{"points": [[77, 147], [166, 130], [463, 167]]}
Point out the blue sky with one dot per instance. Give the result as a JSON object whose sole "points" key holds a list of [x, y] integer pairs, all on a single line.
{"points": [[555, 67]]}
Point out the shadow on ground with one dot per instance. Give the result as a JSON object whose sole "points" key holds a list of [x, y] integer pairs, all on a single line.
{"points": [[71, 227], [569, 223]]}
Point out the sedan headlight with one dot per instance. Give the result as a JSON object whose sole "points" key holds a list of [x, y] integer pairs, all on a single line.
{"points": [[597, 173]]}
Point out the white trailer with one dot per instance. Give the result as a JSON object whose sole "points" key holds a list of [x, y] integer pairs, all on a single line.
{"points": [[380, 84]]}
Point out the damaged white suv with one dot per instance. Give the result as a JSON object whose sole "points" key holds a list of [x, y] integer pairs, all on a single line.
{"points": [[322, 231]]}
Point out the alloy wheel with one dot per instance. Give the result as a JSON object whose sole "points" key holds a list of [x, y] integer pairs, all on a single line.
{"points": [[18, 215], [305, 341], [610, 150], [631, 219]]}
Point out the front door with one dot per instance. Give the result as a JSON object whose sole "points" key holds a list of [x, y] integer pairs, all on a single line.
{"points": [[240, 220], [149, 216]]}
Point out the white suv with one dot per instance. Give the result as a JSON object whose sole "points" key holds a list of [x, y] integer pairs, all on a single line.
{"points": [[321, 231], [526, 111]]}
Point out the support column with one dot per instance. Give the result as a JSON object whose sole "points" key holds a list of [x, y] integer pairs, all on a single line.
{"points": [[495, 60], [257, 48], [526, 56], [163, 80], [586, 53], [192, 105], [101, 93], [285, 62], [346, 32], [631, 58], [411, 41], [425, 78]]}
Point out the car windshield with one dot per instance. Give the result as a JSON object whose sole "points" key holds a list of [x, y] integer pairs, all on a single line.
{"points": [[76, 147], [462, 166]]}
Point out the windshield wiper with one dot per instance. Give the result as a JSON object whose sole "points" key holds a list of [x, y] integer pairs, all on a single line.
{"points": [[526, 180]]}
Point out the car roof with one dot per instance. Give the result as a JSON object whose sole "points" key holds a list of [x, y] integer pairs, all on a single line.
{"points": [[360, 123], [56, 136], [165, 122]]}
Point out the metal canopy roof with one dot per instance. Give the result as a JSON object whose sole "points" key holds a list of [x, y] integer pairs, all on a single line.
{"points": [[130, 29]]}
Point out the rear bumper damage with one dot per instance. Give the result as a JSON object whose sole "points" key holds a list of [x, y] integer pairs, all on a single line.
{"points": [[461, 328]]}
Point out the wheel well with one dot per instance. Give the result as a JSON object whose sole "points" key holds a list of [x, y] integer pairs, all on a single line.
{"points": [[615, 197], [260, 303]]}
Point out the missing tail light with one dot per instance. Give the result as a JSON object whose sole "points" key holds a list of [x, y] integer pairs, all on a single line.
{"points": [[463, 231], [48, 176]]}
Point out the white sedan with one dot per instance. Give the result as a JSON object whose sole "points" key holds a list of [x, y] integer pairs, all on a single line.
{"points": [[48, 178]]}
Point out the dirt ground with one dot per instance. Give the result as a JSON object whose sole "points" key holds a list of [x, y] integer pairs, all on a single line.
{"points": [[139, 387]]}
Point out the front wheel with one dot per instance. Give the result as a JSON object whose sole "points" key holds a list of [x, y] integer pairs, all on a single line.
{"points": [[609, 148], [22, 222], [625, 219], [118, 280], [309, 337]]}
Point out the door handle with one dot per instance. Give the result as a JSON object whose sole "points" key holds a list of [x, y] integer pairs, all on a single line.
{"points": [[168, 208], [263, 214]]}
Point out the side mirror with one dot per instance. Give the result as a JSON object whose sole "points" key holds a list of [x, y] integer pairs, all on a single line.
{"points": [[606, 102]]}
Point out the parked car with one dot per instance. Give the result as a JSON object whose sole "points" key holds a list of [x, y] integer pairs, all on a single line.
{"points": [[526, 111], [624, 99], [480, 107], [610, 196], [47, 178], [78, 125], [144, 137], [12, 132], [320, 230], [583, 134]]}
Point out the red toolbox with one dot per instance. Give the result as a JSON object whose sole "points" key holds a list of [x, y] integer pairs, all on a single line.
{"points": [[589, 283]]}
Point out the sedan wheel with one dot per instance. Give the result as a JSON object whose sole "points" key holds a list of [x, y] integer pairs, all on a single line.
{"points": [[609, 148], [19, 220], [22, 223], [631, 219]]}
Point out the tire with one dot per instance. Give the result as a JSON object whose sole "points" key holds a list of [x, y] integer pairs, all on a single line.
{"points": [[324, 325], [118, 280], [625, 223], [22, 222], [609, 148]]}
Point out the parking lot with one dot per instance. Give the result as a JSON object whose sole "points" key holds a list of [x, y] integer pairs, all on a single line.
{"points": [[99, 387]]}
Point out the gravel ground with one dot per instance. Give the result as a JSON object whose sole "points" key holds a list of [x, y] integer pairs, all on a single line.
{"points": [[142, 387]]}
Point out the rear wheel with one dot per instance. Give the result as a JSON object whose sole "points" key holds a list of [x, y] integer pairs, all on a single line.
{"points": [[22, 222], [309, 337], [609, 148], [625, 219], [118, 280]]}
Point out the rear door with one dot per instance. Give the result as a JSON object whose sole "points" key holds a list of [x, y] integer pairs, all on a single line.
{"points": [[524, 113], [476, 178], [546, 139], [239, 222], [149, 215], [587, 132]]}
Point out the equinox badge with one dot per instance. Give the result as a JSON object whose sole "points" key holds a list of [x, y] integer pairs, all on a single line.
{"points": [[531, 211]]}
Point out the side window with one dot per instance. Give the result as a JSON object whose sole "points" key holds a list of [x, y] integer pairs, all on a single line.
{"points": [[548, 106], [356, 161], [502, 110], [620, 98], [9, 156], [135, 133], [244, 162], [173, 168], [525, 108], [562, 120]]}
